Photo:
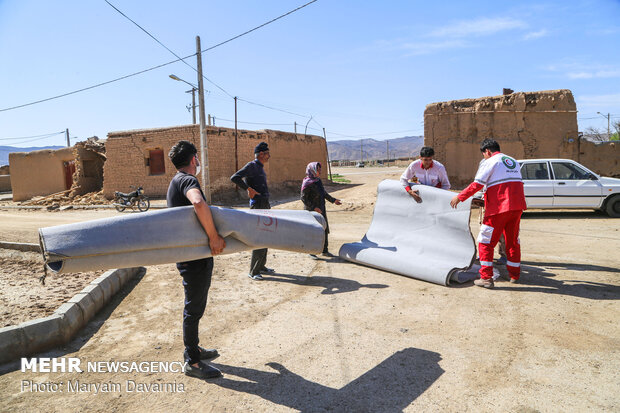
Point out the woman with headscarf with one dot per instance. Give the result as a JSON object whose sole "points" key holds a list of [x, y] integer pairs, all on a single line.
{"points": [[313, 195]]}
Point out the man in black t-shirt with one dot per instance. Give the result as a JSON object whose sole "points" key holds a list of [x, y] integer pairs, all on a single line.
{"points": [[185, 190]]}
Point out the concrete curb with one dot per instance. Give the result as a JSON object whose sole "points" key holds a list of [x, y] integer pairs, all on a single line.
{"points": [[44, 333], [20, 246], [41, 207]]}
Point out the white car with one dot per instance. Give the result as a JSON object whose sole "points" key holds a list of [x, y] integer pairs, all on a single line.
{"points": [[563, 183]]}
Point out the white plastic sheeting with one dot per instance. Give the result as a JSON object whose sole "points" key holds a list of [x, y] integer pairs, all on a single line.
{"points": [[429, 240], [175, 235]]}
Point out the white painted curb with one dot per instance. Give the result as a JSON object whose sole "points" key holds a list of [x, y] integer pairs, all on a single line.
{"points": [[20, 246], [44, 333]]}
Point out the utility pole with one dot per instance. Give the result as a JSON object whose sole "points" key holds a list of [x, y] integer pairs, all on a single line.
{"points": [[329, 164], [295, 127], [387, 143], [236, 140], [204, 151], [67, 135], [209, 119], [362, 151], [608, 122]]}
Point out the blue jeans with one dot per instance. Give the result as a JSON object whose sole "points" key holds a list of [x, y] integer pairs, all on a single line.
{"points": [[196, 282]]}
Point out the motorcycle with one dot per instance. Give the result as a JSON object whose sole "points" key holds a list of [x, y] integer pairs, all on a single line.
{"points": [[131, 200]]}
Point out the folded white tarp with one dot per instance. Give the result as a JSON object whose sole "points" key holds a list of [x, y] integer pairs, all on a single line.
{"points": [[175, 235], [427, 240]]}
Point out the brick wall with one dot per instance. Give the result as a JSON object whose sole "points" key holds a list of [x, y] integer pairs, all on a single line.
{"points": [[127, 153]]}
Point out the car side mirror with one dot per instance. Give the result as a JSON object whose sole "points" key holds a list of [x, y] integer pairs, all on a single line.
{"points": [[593, 177]]}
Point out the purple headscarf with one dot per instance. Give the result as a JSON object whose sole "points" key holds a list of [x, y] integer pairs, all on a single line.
{"points": [[312, 174]]}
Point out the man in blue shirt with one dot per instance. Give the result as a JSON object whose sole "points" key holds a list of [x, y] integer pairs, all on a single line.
{"points": [[253, 179]]}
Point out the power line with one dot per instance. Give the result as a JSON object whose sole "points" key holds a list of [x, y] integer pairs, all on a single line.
{"points": [[213, 47], [272, 108], [255, 123], [92, 87], [166, 47], [258, 27], [152, 68], [37, 139], [46, 135], [373, 134], [315, 121]]}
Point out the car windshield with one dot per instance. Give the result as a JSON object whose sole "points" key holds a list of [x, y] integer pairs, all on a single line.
{"points": [[566, 170]]}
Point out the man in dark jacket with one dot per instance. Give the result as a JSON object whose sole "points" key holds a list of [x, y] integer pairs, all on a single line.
{"points": [[252, 178]]}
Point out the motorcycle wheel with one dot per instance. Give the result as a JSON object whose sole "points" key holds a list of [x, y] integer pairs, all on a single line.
{"points": [[118, 205], [144, 204]]}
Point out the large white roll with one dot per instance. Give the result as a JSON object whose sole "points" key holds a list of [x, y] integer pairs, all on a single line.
{"points": [[175, 235], [428, 241]]}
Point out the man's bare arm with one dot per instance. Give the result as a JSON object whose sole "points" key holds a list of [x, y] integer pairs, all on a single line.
{"points": [[216, 242]]}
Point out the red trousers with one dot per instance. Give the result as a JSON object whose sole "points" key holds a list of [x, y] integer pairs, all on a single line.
{"points": [[492, 228]]}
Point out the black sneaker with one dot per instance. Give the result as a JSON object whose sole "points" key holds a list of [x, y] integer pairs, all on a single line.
{"points": [[207, 354], [256, 277], [266, 270], [203, 371]]}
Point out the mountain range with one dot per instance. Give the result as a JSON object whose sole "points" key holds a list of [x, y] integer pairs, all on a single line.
{"points": [[405, 147], [6, 150]]}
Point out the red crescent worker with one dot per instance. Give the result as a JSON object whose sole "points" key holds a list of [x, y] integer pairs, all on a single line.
{"points": [[504, 201]]}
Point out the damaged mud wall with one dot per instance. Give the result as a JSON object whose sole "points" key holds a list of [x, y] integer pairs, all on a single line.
{"points": [[601, 157], [526, 125], [5, 179], [88, 176], [140, 158], [41, 172]]}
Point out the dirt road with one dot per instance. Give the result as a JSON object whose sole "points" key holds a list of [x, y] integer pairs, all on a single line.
{"points": [[333, 336]]}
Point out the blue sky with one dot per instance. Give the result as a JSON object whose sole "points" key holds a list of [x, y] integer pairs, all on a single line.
{"points": [[359, 68]]}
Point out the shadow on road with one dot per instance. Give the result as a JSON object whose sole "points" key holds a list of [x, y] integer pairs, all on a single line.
{"points": [[391, 386], [535, 278], [330, 285]]}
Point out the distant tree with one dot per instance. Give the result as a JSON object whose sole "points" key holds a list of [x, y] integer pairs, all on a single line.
{"points": [[595, 134], [615, 136]]}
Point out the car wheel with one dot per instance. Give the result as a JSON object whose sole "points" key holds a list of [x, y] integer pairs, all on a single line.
{"points": [[612, 207]]}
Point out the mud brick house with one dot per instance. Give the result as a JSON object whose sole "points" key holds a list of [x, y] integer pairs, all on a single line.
{"points": [[526, 124], [140, 158], [39, 173], [5, 179]]}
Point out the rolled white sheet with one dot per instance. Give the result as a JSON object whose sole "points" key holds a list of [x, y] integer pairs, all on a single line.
{"points": [[427, 241], [175, 235]]}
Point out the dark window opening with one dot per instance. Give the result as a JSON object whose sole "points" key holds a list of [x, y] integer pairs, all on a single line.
{"points": [[156, 162]]}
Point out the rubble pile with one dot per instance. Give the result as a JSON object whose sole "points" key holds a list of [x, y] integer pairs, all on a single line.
{"points": [[63, 199]]}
